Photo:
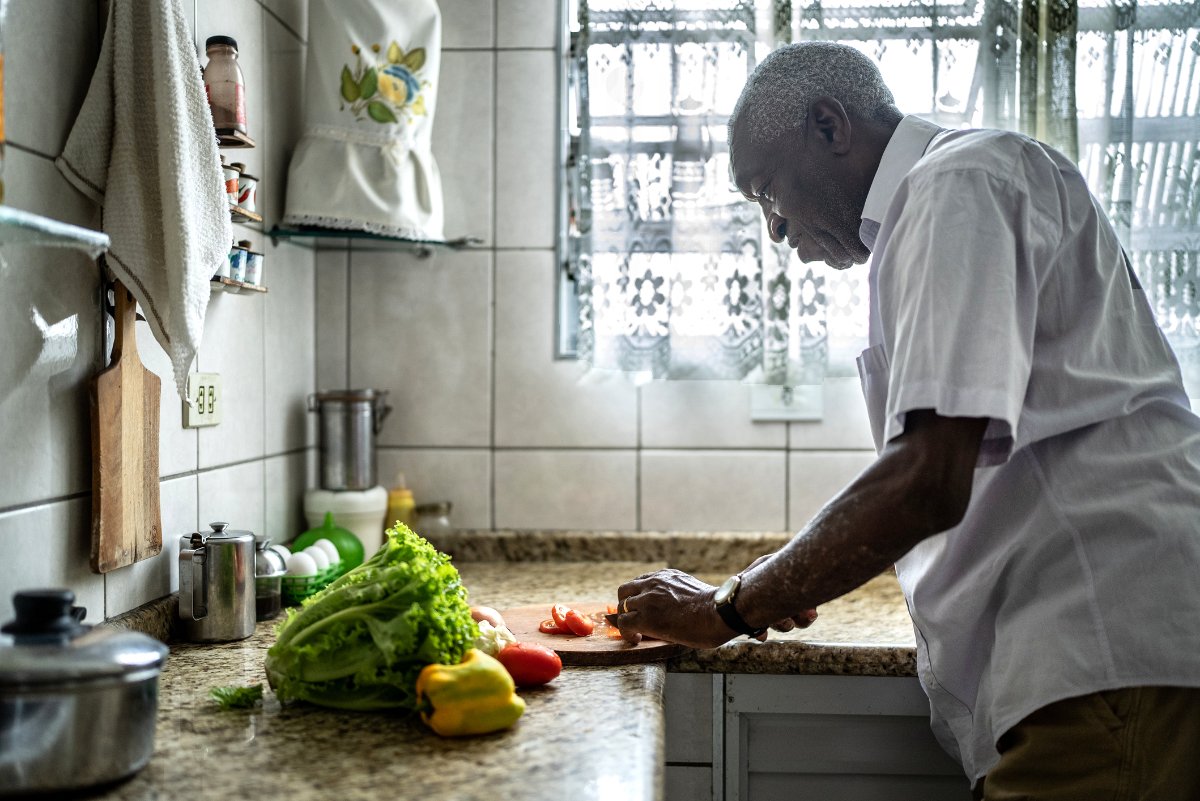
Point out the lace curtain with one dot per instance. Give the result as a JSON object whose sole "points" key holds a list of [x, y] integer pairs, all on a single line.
{"points": [[675, 275]]}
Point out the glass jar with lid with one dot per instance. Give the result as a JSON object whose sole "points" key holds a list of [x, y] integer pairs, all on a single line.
{"points": [[224, 84], [433, 518]]}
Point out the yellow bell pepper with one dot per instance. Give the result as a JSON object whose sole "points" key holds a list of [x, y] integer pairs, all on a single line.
{"points": [[476, 696]]}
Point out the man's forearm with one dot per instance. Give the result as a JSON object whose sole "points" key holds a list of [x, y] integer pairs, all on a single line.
{"points": [[906, 495]]}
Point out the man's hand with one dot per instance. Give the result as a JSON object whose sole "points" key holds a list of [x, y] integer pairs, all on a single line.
{"points": [[673, 606], [677, 607]]}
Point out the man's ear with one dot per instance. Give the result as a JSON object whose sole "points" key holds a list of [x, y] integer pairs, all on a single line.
{"points": [[828, 117]]}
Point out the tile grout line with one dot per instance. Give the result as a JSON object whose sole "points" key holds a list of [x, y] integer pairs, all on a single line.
{"points": [[495, 307]]}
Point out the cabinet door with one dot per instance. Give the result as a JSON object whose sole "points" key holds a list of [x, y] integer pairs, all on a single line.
{"points": [[833, 738]]}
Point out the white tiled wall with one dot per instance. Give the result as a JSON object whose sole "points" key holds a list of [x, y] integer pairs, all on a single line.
{"points": [[252, 469], [484, 415]]}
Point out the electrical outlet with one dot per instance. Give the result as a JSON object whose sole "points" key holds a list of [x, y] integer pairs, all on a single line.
{"points": [[204, 390]]}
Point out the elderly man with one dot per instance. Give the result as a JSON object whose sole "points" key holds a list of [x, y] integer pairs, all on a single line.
{"points": [[1038, 479]]}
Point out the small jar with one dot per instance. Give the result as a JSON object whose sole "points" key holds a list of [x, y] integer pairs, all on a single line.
{"points": [[232, 174], [224, 84], [433, 518], [237, 262], [247, 191], [254, 265]]}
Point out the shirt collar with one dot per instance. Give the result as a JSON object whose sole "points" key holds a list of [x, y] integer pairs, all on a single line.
{"points": [[903, 151]]}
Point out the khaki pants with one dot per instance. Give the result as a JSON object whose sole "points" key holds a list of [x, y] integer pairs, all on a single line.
{"points": [[1135, 743]]}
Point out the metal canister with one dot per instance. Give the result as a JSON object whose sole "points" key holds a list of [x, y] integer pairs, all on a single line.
{"points": [[350, 419], [216, 584]]}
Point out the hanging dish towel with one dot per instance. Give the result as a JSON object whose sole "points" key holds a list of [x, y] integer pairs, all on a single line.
{"points": [[144, 148], [364, 162]]}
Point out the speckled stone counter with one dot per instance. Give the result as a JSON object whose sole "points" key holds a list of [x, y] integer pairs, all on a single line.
{"points": [[594, 733]]}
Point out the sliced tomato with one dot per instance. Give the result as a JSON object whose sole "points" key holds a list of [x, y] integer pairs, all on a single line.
{"points": [[559, 613], [550, 627], [578, 624], [612, 610], [614, 633]]}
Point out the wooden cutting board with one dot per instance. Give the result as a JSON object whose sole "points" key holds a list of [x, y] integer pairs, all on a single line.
{"points": [[596, 649], [126, 523]]}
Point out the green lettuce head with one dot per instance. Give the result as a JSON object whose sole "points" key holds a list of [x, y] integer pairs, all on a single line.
{"points": [[360, 642]]}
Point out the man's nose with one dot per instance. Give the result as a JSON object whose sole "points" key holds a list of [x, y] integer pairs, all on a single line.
{"points": [[776, 227]]}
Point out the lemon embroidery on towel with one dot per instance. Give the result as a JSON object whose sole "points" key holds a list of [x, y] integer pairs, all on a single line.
{"points": [[384, 90]]}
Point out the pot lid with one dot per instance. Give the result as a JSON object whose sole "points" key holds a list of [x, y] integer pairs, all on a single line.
{"points": [[219, 531], [47, 645]]}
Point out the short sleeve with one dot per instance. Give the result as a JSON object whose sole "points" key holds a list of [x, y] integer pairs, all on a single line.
{"points": [[958, 298]]}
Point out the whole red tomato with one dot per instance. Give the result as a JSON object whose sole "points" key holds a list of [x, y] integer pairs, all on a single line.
{"points": [[530, 664]]}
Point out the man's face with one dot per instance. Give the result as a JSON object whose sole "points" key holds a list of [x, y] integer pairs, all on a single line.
{"points": [[807, 197]]}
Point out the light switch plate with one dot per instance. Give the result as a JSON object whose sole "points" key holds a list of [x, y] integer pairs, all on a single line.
{"points": [[204, 391], [770, 403]]}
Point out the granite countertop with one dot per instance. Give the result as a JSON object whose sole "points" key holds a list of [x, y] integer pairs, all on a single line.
{"points": [[593, 733]]}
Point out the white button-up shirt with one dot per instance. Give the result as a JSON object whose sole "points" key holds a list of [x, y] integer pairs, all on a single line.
{"points": [[999, 290]]}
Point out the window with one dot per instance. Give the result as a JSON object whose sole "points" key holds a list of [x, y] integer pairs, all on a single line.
{"points": [[666, 270]]}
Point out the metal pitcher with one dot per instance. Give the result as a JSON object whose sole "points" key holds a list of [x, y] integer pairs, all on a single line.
{"points": [[350, 419], [216, 584]]}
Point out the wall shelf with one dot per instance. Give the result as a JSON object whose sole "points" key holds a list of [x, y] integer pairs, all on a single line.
{"points": [[371, 241], [240, 215], [229, 285], [229, 137], [18, 227]]}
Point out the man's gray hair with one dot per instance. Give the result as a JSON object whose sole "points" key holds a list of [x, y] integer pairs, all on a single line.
{"points": [[778, 93]]}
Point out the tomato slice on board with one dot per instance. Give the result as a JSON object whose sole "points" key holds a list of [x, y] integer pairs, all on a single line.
{"points": [[549, 627], [559, 613], [578, 624]]}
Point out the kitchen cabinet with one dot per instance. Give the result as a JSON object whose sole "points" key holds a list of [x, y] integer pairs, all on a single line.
{"points": [[757, 737]]}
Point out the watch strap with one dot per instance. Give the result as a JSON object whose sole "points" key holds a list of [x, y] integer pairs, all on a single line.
{"points": [[734, 620]]}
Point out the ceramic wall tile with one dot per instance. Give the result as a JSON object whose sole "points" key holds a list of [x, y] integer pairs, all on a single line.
{"points": [[285, 483], [468, 23], [704, 414], [713, 490], [814, 477], [421, 329], [541, 401], [51, 48], [463, 143], [526, 144], [289, 341], [566, 489], [177, 446], [331, 312], [528, 23], [284, 103], [49, 546], [233, 348], [50, 327], [233, 495], [462, 476], [292, 13], [129, 587], [845, 424]]}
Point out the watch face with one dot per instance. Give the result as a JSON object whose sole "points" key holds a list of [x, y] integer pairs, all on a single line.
{"points": [[726, 590]]}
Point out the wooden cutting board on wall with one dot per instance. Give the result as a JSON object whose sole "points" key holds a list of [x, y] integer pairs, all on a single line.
{"points": [[126, 521], [597, 649]]}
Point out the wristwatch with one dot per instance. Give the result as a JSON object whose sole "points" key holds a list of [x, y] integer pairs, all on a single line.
{"points": [[723, 601]]}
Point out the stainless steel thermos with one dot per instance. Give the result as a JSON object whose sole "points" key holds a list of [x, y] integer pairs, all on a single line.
{"points": [[216, 584]]}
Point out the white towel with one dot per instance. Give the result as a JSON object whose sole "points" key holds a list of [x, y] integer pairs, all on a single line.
{"points": [[144, 148]]}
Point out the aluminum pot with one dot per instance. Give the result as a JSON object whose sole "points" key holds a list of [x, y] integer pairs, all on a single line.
{"points": [[350, 419], [77, 703]]}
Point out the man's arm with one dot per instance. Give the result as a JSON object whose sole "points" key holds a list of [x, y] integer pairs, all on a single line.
{"points": [[919, 486]]}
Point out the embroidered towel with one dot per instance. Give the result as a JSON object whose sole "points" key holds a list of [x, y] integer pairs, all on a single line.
{"points": [[364, 161], [144, 148]]}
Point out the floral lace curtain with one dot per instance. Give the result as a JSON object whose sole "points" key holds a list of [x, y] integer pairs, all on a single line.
{"points": [[675, 275]]}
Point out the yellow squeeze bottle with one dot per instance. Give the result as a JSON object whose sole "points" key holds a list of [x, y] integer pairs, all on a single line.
{"points": [[401, 506]]}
